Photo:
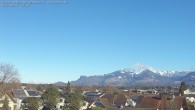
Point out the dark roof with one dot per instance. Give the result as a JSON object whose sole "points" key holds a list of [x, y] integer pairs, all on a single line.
{"points": [[46, 108], [92, 94], [32, 93], [177, 93], [19, 93], [99, 104], [137, 99]]}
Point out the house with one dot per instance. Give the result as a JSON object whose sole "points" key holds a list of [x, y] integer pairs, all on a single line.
{"points": [[12, 103], [166, 95], [175, 102], [163, 101], [152, 91], [137, 99], [85, 105], [93, 96], [117, 101], [97, 104], [130, 103], [20, 94], [108, 100], [60, 105], [187, 91], [140, 91], [190, 99], [124, 90]]}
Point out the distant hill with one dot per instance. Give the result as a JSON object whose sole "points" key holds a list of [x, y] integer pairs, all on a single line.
{"points": [[144, 77], [60, 83]]}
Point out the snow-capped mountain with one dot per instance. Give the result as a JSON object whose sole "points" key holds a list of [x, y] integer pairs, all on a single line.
{"points": [[127, 76], [162, 73], [126, 70]]}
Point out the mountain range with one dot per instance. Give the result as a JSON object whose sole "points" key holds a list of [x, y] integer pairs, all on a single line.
{"points": [[142, 77]]}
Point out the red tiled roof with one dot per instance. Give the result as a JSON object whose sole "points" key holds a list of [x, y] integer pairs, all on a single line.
{"points": [[120, 99], [109, 97], [116, 99], [174, 103], [150, 102], [105, 102]]}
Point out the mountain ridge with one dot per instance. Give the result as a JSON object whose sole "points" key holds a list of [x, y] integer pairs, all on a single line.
{"points": [[127, 76]]}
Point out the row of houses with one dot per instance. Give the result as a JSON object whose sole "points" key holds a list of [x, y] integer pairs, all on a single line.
{"points": [[136, 100], [142, 100]]}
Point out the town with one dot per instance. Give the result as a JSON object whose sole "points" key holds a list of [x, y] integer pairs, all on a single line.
{"points": [[53, 97]]}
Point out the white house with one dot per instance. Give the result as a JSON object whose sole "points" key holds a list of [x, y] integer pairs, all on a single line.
{"points": [[187, 91], [85, 105], [60, 105], [190, 99], [20, 94], [12, 103], [130, 103]]}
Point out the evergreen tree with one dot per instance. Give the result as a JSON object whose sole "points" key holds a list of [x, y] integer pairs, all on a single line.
{"points": [[32, 103], [68, 88], [75, 101], [50, 97], [67, 95], [72, 100], [183, 87]]}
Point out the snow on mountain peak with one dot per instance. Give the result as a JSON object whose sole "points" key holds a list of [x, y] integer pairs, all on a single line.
{"points": [[145, 67], [142, 68], [167, 73], [126, 70]]}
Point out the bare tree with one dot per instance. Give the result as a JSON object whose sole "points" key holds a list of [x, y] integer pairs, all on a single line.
{"points": [[8, 75]]}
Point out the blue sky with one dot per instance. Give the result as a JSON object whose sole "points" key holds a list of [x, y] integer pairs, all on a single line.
{"points": [[49, 43]]}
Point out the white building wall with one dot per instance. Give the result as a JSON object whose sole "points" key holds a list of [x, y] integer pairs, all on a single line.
{"points": [[186, 91], [11, 103]]}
